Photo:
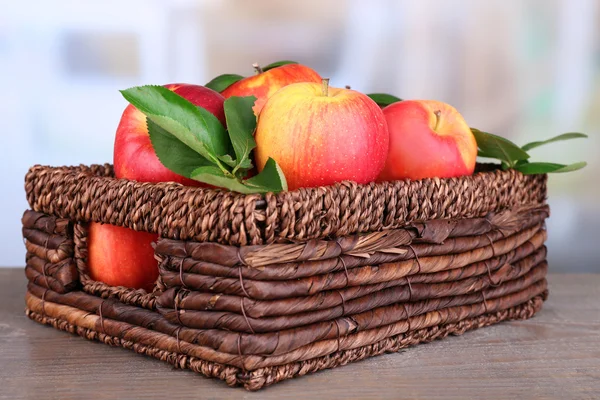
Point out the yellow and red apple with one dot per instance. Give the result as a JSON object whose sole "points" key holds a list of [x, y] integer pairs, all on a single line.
{"points": [[120, 256], [320, 135], [264, 84], [427, 139]]}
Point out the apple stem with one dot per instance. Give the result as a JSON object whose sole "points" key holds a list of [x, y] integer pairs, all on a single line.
{"points": [[348, 87], [257, 68], [325, 86], [438, 115]]}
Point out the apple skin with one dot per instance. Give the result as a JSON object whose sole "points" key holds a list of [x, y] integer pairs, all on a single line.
{"points": [[265, 84], [134, 156], [320, 139], [120, 256], [423, 145]]}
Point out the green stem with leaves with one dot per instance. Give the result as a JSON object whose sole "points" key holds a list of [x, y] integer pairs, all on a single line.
{"points": [[512, 156]]}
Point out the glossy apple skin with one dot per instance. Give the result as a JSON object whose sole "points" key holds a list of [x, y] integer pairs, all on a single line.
{"points": [[124, 257], [134, 156], [318, 140], [423, 147], [265, 84], [121, 257]]}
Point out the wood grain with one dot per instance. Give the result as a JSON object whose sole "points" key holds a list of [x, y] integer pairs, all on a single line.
{"points": [[554, 355]]}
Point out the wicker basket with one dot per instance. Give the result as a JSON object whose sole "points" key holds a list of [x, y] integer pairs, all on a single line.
{"points": [[255, 289]]}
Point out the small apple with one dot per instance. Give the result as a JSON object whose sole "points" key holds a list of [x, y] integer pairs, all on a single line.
{"points": [[320, 135], [264, 84], [427, 139], [124, 257], [121, 257]]}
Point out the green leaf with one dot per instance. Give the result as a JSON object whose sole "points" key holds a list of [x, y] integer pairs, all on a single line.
{"points": [[216, 130], [183, 134], [270, 179], [572, 167], [483, 154], [222, 82], [277, 64], [242, 167], [564, 136], [492, 146], [544, 167], [216, 177], [241, 123], [503, 164], [194, 126], [227, 159], [173, 153], [383, 99]]}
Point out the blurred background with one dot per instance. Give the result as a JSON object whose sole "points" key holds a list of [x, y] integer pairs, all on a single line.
{"points": [[526, 70]]}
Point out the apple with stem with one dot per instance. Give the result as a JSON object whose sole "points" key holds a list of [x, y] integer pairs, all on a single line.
{"points": [[265, 83], [320, 135], [427, 139]]}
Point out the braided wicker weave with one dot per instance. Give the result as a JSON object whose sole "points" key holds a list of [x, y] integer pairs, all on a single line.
{"points": [[255, 289]]}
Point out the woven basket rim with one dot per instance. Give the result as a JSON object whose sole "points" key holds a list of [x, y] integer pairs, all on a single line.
{"points": [[91, 193], [106, 171]]}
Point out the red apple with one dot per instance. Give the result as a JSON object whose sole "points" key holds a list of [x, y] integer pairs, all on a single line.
{"points": [[265, 84], [320, 135], [134, 156], [124, 257], [121, 257], [427, 139]]}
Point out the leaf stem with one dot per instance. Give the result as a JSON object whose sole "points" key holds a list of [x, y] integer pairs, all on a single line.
{"points": [[225, 171]]}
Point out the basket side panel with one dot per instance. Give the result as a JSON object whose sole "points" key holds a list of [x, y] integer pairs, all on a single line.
{"points": [[274, 299], [56, 260], [50, 259]]}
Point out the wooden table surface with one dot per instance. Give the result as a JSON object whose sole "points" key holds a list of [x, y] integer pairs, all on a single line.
{"points": [[554, 355]]}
